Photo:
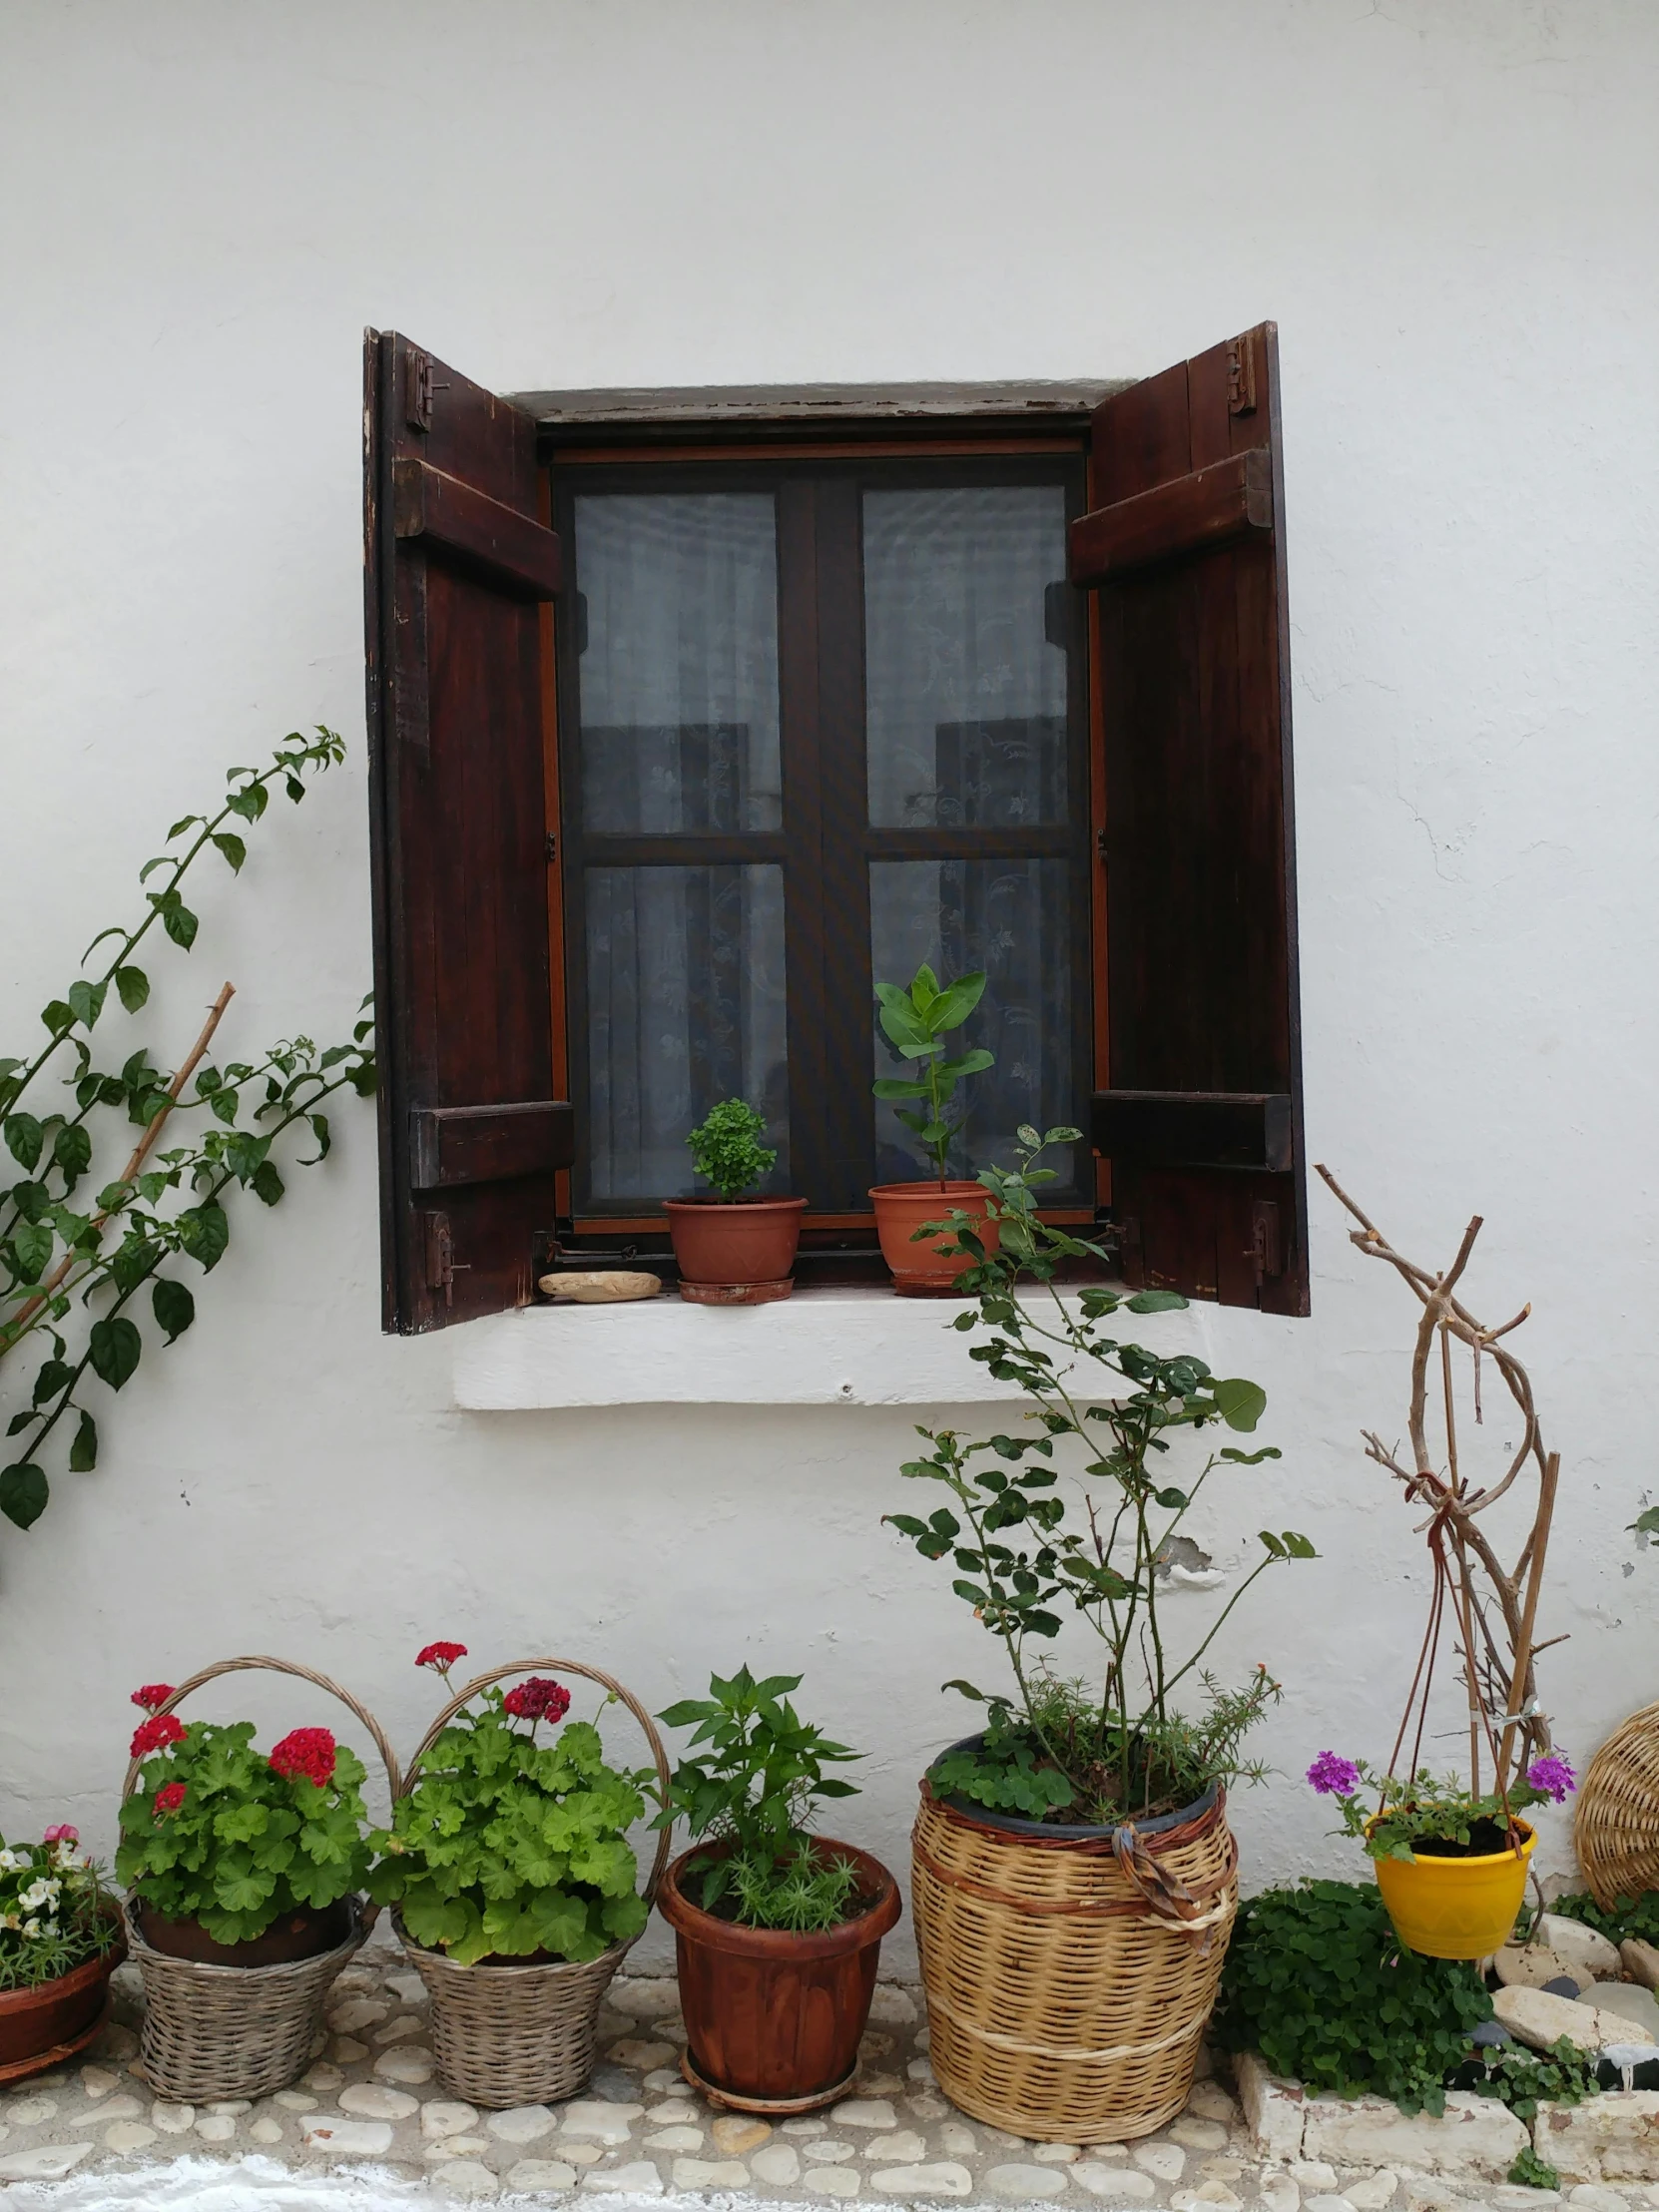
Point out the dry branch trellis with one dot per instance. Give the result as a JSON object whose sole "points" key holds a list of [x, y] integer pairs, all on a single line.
{"points": [[1499, 1656]]}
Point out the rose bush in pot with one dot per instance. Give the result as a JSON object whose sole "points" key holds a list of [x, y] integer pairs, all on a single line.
{"points": [[777, 1932], [1074, 1877], [60, 1940]]}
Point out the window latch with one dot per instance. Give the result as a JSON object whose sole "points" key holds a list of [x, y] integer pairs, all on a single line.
{"points": [[441, 1265]]}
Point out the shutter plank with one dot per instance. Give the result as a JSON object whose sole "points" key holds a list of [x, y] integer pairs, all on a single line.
{"points": [[1201, 1113], [456, 738]]}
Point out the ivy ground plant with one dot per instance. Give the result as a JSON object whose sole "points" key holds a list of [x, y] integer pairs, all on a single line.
{"points": [[233, 1838], [511, 1845], [753, 1795], [1075, 1516], [71, 1267], [55, 1915]]}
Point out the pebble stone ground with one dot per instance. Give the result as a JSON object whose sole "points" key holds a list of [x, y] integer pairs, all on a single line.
{"points": [[371, 2103]]}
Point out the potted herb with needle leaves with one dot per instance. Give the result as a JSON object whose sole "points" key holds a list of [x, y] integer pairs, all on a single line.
{"points": [[778, 1931], [1074, 1878], [733, 1250], [916, 1020]]}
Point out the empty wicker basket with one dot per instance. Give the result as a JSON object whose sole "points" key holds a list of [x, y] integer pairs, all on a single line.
{"points": [[210, 2031], [506, 2035], [1069, 1979], [1616, 1828]]}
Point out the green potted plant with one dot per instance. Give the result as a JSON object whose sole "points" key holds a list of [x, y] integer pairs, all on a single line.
{"points": [[60, 1940], [731, 1250], [1074, 1879], [777, 1932], [1451, 1866], [514, 1885], [243, 1869], [917, 1019]]}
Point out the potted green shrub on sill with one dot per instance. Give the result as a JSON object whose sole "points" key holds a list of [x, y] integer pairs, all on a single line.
{"points": [[733, 1250], [917, 1019], [60, 1940], [777, 1932], [1074, 1878]]}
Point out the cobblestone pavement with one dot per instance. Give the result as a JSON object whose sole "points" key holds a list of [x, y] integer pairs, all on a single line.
{"points": [[371, 2104]]}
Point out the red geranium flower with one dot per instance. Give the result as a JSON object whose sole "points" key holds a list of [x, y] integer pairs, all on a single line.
{"points": [[152, 1695], [539, 1699], [156, 1733], [168, 1797], [306, 1754], [440, 1656]]}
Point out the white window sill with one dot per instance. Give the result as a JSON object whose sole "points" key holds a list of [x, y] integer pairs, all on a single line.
{"points": [[852, 1346]]}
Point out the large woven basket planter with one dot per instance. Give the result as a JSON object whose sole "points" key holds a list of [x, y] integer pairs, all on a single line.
{"points": [[506, 2032], [1069, 1974], [1615, 1830], [212, 2033]]}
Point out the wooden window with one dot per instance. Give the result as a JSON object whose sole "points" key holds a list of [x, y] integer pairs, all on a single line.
{"points": [[815, 712]]}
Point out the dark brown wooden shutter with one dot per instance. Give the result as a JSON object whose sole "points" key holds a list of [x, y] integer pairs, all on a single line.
{"points": [[1184, 545], [458, 565]]}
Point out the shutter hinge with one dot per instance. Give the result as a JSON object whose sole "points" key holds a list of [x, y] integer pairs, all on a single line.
{"points": [[552, 847], [1100, 842], [1241, 374], [1266, 1249], [441, 1265], [417, 390]]}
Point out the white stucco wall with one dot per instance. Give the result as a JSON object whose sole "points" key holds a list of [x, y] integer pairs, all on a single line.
{"points": [[1449, 206]]}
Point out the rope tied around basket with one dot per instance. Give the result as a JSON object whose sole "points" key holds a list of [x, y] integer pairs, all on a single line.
{"points": [[1167, 1896]]}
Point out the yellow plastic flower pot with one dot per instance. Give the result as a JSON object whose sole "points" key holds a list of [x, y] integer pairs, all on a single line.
{"points": [[1456, 1908]]}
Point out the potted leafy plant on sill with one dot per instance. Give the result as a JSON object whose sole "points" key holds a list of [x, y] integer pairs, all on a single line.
{"points": [[514, 1884], [777, 1932], [731, 1250], [1074, 1877], [917, 1019], [59, 1941]]}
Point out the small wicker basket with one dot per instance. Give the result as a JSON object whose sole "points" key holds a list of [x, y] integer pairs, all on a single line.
{"points": [[213, 2033], [505, 2034], [1615, 1830], [1069, 1979]]}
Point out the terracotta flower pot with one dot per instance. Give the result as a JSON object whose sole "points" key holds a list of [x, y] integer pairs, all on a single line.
{"points": [[41, 2027], [305, 1933], [921, 1270], [773, 2020], [735, 1253]]}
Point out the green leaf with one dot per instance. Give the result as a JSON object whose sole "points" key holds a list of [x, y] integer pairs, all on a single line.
{"points": [[133, 986], [58, 1015], [180, 925], [1154, 1301], [71, 1149], [83, 1453], [964, 1689], [32, 1241], [265, 1183], [954, 1004], [23, 1494], [86, 1001], [173, 1307], [231, 847], [1239, 1403], [55, 1374], [23, 1138], [885, 1086], [205, 1231], [113, 1345], [1275, 1546]]}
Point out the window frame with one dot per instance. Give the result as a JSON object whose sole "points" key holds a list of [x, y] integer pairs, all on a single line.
{"points": [[825, 841]]}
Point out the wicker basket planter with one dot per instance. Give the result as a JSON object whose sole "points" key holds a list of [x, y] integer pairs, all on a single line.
{"points": [[1069, 1973], [218, 2031], [506, 2033], [773, 2020], [1615, 1832]]}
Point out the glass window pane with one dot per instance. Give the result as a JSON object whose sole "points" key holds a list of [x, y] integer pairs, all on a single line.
{"points": [[679, 672], [685, 1007], [966, 695], [1011, 918]]}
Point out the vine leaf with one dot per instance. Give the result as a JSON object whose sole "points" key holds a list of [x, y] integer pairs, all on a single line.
{"points": [[173, 1307], [24, 1490], [83, 1453], [134, 987], [114, 1348]]}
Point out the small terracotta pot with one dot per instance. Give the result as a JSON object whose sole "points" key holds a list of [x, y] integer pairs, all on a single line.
{"points": [[773, 2019], [39, 2027], [305, 1933], [735, 1253], [921, 1270]]}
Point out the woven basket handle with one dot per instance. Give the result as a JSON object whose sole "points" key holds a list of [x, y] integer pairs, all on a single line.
{"points": [[307, 1674], [592, 1674]]}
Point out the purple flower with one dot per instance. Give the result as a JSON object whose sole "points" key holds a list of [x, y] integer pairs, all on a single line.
{"points": [[1553, 1776], [1334, 1776]]}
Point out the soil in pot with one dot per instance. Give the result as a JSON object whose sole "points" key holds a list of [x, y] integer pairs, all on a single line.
{"points": [[773, 2020], [40, 2027], [921, 1270], [735, 1253], [305, 1933]]}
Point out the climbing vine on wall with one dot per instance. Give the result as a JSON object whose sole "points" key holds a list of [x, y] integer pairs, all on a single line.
{"points": [[82, 1277]]}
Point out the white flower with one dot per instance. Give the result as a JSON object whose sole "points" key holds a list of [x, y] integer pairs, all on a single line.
{"points": [[11, 1861], [42, 1890], [31, 1927]]}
